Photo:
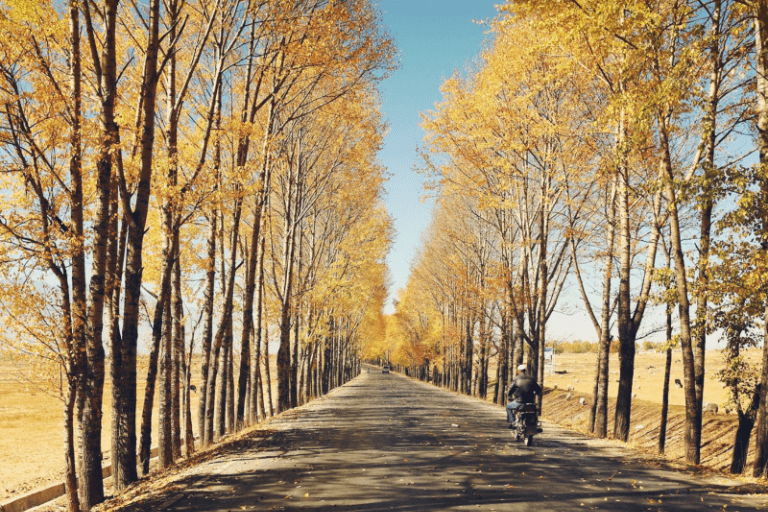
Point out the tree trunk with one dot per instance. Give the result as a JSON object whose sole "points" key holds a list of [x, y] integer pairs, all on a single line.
{"points": [[259, 322], [164, 439], [626, 342], [210, 406], [743, 433], [122, 475], [543, 284], [327, 357], [692, 434], [500, 388], [468, 356], [230, 403], [210, 287], [158, 333], [222, 389], [267, 369], [604, 346], [665, 393], [137, 220], [70, 459], [178, 351], [760, 468], [709, 138], [284, 366], [189, 435], [75, 327], [255, 260], [295, 361]]}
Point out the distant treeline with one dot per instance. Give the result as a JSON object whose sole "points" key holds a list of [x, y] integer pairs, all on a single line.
{"points": [[587, 347]]}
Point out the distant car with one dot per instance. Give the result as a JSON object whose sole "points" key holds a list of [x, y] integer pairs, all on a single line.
{"points": [[385, 368]]}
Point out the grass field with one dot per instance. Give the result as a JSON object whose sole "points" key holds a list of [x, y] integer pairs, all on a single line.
{"points": [[718, 430], [648, 379]]}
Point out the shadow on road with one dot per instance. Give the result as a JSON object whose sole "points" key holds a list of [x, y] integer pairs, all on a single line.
{"points": [[384, 442]]}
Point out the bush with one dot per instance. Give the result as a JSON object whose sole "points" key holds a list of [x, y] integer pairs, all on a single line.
{"points": [[650, 346], [575, 347]]}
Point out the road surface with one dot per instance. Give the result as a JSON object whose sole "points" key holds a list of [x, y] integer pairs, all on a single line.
{"points": [[385, 442]]}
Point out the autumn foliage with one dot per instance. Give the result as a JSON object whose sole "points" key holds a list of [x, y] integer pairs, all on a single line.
{"points": [[195, 180], [589, 143]]}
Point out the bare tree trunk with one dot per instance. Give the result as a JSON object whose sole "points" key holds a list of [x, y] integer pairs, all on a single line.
{"points": [[760, 467], [284, 351], [268, 369], [119, 429], [249, 366], [625, 324], [665, 390], [743, 433], [252, 412], [159, 328], [222, 389], [328, 344], [189, 434], [206, 355], [136, 218], [468, 356], [295, 361], [70, 460], [178, 350], [230, 403], [692, 434], [259, 322], [709, 139], [164, 441], [604, 347], [501, 365], [543, 281], [245, 340], [90, 480], [210, 406], [74, 367]]}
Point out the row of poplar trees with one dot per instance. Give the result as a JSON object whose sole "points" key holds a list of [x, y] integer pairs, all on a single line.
{"points": [[200, 176], [613, 156]]}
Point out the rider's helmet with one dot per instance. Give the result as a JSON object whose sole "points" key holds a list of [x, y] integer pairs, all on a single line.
{"points": [[522, 368]]}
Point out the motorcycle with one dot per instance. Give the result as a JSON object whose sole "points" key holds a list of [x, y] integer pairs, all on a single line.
{"points": [[527, 423]]}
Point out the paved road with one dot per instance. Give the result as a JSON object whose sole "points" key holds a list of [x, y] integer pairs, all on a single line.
{"points": [[385, 442]]}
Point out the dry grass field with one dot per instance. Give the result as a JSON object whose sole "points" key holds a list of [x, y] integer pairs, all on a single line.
{"points": [[32, 436], [31, 430], [648, 379], [718, 430]]}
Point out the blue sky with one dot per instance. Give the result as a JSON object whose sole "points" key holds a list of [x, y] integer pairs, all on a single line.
{"points": [[434, 38]]}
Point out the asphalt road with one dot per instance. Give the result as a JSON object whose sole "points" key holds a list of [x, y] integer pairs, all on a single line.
{"points": [[385, 442]]}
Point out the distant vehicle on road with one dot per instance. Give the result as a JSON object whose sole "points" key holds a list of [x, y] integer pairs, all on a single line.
{"points": [[385, 368]]}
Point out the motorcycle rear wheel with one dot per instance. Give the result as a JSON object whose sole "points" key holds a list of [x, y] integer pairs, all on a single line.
{"points": [[528, 440]]}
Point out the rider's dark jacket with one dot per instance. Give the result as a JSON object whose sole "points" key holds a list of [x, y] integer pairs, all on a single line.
{"points": [[524, 389]]}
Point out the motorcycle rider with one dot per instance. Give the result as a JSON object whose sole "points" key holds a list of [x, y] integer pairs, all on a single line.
{"points": [[523, 391]]}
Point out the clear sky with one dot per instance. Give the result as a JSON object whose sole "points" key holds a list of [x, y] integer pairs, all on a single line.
{"points": [[434, 38]]}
